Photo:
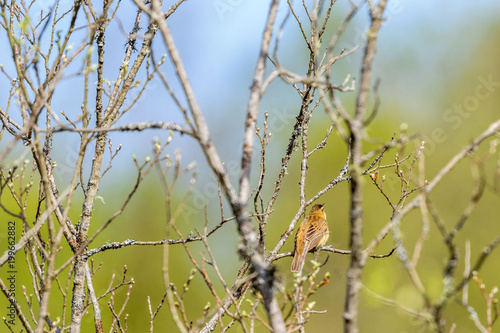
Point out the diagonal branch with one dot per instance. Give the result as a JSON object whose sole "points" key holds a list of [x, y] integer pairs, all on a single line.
{"points": [[251, 245]]}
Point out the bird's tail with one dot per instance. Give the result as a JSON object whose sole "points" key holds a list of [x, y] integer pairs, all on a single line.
{"points": [[298, 261]]}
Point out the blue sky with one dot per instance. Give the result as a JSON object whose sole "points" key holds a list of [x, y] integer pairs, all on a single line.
{"points": [[219, 42]]}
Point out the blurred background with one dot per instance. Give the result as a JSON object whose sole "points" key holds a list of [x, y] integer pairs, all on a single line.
{"points": [[440, 79]]}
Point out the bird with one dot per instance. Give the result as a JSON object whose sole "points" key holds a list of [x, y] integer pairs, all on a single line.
{"points": [[312, 234]]}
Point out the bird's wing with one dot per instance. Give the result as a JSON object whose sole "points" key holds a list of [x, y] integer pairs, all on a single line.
{"points": [[301, 247], [315, 232]]}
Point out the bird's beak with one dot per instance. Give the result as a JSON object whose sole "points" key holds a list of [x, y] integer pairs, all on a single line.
{"points": [[322, 205]]}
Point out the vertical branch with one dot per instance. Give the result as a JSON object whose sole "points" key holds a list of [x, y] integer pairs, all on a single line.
{"points": [[166, 248], [93, 299], [116, 101], [253, 104], [356, 211]]}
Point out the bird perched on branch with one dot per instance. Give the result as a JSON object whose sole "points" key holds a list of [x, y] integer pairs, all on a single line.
{"points": [[312, 234]]}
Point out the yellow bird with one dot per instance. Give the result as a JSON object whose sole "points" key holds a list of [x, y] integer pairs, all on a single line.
{"points": [[312, 234]]}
